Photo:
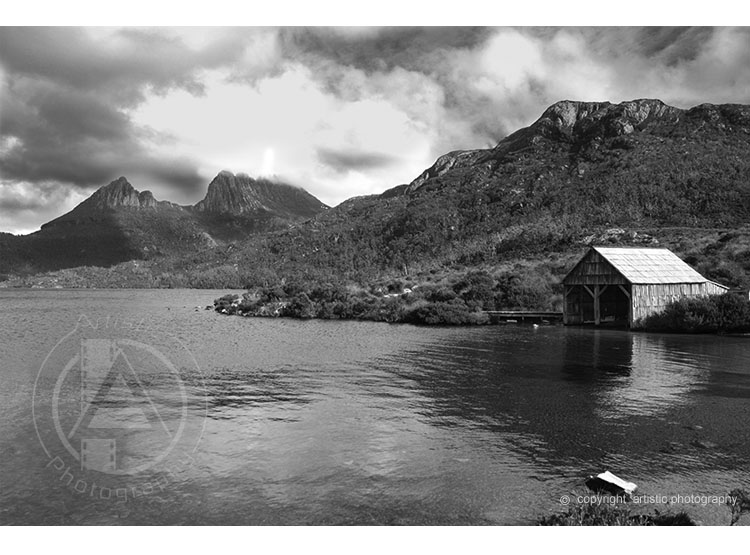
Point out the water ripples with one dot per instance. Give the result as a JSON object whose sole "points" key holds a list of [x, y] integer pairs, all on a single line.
{"points": [[365, 423]]}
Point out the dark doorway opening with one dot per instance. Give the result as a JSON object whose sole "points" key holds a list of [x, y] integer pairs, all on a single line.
{"points": [[614, 306]]}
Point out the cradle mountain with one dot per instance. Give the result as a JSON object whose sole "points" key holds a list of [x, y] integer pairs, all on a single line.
{"points": [[118, 223]]}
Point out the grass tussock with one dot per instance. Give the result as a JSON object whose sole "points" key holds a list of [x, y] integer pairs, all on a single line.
{"points": [[600, 514]]}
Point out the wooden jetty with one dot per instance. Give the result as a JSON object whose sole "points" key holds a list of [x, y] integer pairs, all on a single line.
{"points": [[523, 316]]}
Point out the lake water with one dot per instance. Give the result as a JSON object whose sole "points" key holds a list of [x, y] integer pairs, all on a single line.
{"points": [[134, 407]]}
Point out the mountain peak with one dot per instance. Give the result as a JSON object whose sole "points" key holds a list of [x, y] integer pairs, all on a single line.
{"points": [[119, 194], [566, 113], [240, 195], [576, 120], [230, 194], [121, 184]]}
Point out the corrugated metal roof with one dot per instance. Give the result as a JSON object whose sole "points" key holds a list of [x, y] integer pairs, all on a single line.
{"points": [[650, 265]]}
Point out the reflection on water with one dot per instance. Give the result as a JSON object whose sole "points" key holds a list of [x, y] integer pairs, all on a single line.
{"points": [[637, 374], [365, 423], [658, 380], [229, 389]]}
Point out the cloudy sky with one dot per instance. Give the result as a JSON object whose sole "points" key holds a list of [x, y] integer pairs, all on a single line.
{"points": [[339, 111]]}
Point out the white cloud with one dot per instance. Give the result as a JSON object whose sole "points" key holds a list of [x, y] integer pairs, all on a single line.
{"points": [[236, 126], [25, 206], [508, 61]]}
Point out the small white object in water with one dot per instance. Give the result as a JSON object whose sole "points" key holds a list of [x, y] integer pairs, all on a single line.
{"points": [[627, 487]]}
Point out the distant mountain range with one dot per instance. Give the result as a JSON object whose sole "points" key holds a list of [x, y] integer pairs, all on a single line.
{"points": [[118, 223], [643, 170]]}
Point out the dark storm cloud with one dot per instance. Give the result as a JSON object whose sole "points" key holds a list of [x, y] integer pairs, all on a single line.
{"points": [[35, 109], [180, 173], [331, 52], [379, 48], [122, 67], [344, 160], [66, 94], [673, 44], [75, 138], [485, 97], [670, 43], [14, 204]]}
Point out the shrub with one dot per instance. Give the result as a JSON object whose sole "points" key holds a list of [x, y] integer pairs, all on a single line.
{"points": [[528, 290], [227, 303], [734, 312], [300, 307], [476, 289], [395, 286], [443, 294], [718, 313], [389, 310], [454, 313]]}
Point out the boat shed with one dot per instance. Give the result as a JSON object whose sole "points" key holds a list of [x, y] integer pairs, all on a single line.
{"points": [[621, 286]]}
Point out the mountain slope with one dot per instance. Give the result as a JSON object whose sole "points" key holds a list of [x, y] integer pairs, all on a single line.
{"points": [[118, 223], [236, 206], [637, 162], [579, 169]]}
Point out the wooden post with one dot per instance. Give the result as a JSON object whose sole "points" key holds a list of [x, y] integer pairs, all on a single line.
{"points": [[594, 297], [630, 305], [597, 315], [565, 305]]}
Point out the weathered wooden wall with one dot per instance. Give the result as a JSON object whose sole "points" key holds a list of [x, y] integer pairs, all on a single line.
{"points": [[593, 269], [651, 298]]}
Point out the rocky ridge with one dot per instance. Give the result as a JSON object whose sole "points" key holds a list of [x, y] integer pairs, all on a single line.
{"points": [[241, 195], [580, 124]]}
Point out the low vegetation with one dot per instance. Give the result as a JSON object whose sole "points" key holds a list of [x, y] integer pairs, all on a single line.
{"points": [[461, 299], [729, 313], [602, 514]]}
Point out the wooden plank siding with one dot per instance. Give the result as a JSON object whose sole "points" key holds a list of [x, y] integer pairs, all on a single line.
{"points": [[651, 298], [593, 269]]}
